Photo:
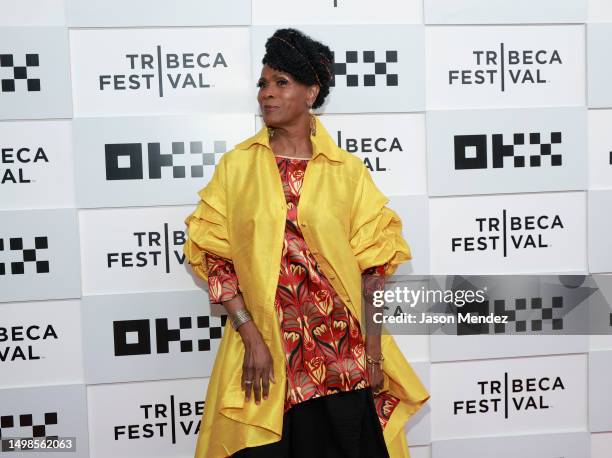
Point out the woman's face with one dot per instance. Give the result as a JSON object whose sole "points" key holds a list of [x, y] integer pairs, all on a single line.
{"points": [[281, 98]]}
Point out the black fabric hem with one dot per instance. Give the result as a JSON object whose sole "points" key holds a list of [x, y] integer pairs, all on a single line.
{"points": [[339, 425]]}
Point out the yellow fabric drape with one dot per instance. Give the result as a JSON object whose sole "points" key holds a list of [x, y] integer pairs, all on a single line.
{"points": [[348, 228]]}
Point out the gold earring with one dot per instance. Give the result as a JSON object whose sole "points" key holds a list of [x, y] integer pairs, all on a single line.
{"points": [[270, 132], [313, 125]]}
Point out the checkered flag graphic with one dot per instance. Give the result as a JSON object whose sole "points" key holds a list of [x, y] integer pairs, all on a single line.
{"points": [[28, 255], [26, 421], [10, 73], [379, 68], [535, 160], [157, 159], [522, 317]]}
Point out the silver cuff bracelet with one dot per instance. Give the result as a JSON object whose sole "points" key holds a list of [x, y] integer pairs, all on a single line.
{"points": [[240, 317]]}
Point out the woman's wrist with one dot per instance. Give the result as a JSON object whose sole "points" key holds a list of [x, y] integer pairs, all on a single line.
{"points": [[249, 333], [373, 345]]}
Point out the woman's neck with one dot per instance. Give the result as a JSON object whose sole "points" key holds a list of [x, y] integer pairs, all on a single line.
{"points": [[292, 140]]}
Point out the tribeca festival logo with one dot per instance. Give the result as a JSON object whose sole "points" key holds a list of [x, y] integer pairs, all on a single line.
{"points": [[372, 146], [135, 337], [124, 161], [169, 420], [506, 233], [506, 67], [20, 341], [162, 72], [372, 66], [507, 396], [471, 151], [152, 249], [15, 77], [14, 160], [20, 257]]}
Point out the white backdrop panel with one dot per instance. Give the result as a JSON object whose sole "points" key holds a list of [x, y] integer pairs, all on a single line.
{"points": [[162, 71], [339, 12], [521, 233], [41, 343], [134, 250], [502, 151], [505, 66], [36, 164], [145, 419], [161, 160], [504, 12], [149, 336], [116, 13], [34, 73], [509, 396], [378, 68]]}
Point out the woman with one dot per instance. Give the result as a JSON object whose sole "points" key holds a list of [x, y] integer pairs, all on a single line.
{"points": [[287, 232]]}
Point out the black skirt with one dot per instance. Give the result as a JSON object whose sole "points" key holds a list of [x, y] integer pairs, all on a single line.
{"points": [[340, 425]]}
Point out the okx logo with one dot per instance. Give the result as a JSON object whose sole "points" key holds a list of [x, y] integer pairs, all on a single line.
{"points": [[138, 337], [371, 66], [22, 256], [160, 71], [14, 76], [124, 161], [471, 151]]}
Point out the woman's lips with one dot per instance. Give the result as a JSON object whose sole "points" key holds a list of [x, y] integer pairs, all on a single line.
{"points": [[270, 108]]}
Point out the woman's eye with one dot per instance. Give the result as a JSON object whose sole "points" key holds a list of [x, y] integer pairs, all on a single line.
{"points": [[282, 82], [260, 84]]}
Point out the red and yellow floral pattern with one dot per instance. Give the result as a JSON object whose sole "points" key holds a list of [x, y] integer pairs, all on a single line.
{"points": [[324, 347]]}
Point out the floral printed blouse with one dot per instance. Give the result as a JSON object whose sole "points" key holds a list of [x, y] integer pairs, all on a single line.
{"points": [[324, 347]]}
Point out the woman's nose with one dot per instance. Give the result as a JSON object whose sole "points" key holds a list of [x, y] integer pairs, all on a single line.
{"points": [[267, 92]]}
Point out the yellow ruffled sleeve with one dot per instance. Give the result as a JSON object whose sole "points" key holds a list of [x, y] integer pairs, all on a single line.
{"points": [[376, 230], [207, 228]]}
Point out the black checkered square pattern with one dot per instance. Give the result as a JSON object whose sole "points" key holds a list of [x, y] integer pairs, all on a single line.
{"points": [[379, 68], [157, 160], [28, 255], [514, 313], [8, 422], [215, 329], [520, 304], [535, 160], [8, 82]]}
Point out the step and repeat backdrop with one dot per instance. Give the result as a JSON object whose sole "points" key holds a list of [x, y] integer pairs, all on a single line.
{"points": [[488, 123]]}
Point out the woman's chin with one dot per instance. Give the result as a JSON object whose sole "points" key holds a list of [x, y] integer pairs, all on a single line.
{"points": [[274, 114]]}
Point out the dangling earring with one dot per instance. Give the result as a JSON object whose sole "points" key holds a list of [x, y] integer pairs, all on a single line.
{"points": [[270, 132], [313, 122]]}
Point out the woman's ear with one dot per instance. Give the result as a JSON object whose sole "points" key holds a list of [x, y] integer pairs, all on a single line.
{"points": [[314, 92]]}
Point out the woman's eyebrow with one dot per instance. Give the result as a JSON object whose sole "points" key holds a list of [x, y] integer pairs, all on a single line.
{"points": [[275, 76]]}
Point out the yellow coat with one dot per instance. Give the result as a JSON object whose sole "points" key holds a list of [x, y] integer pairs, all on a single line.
{"points": [[241, 216]]}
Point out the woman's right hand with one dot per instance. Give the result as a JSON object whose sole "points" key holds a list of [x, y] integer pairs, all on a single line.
{"points": [[258, 366]]}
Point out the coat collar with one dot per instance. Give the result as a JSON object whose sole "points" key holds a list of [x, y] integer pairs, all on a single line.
{"points": [[322, 142]]}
